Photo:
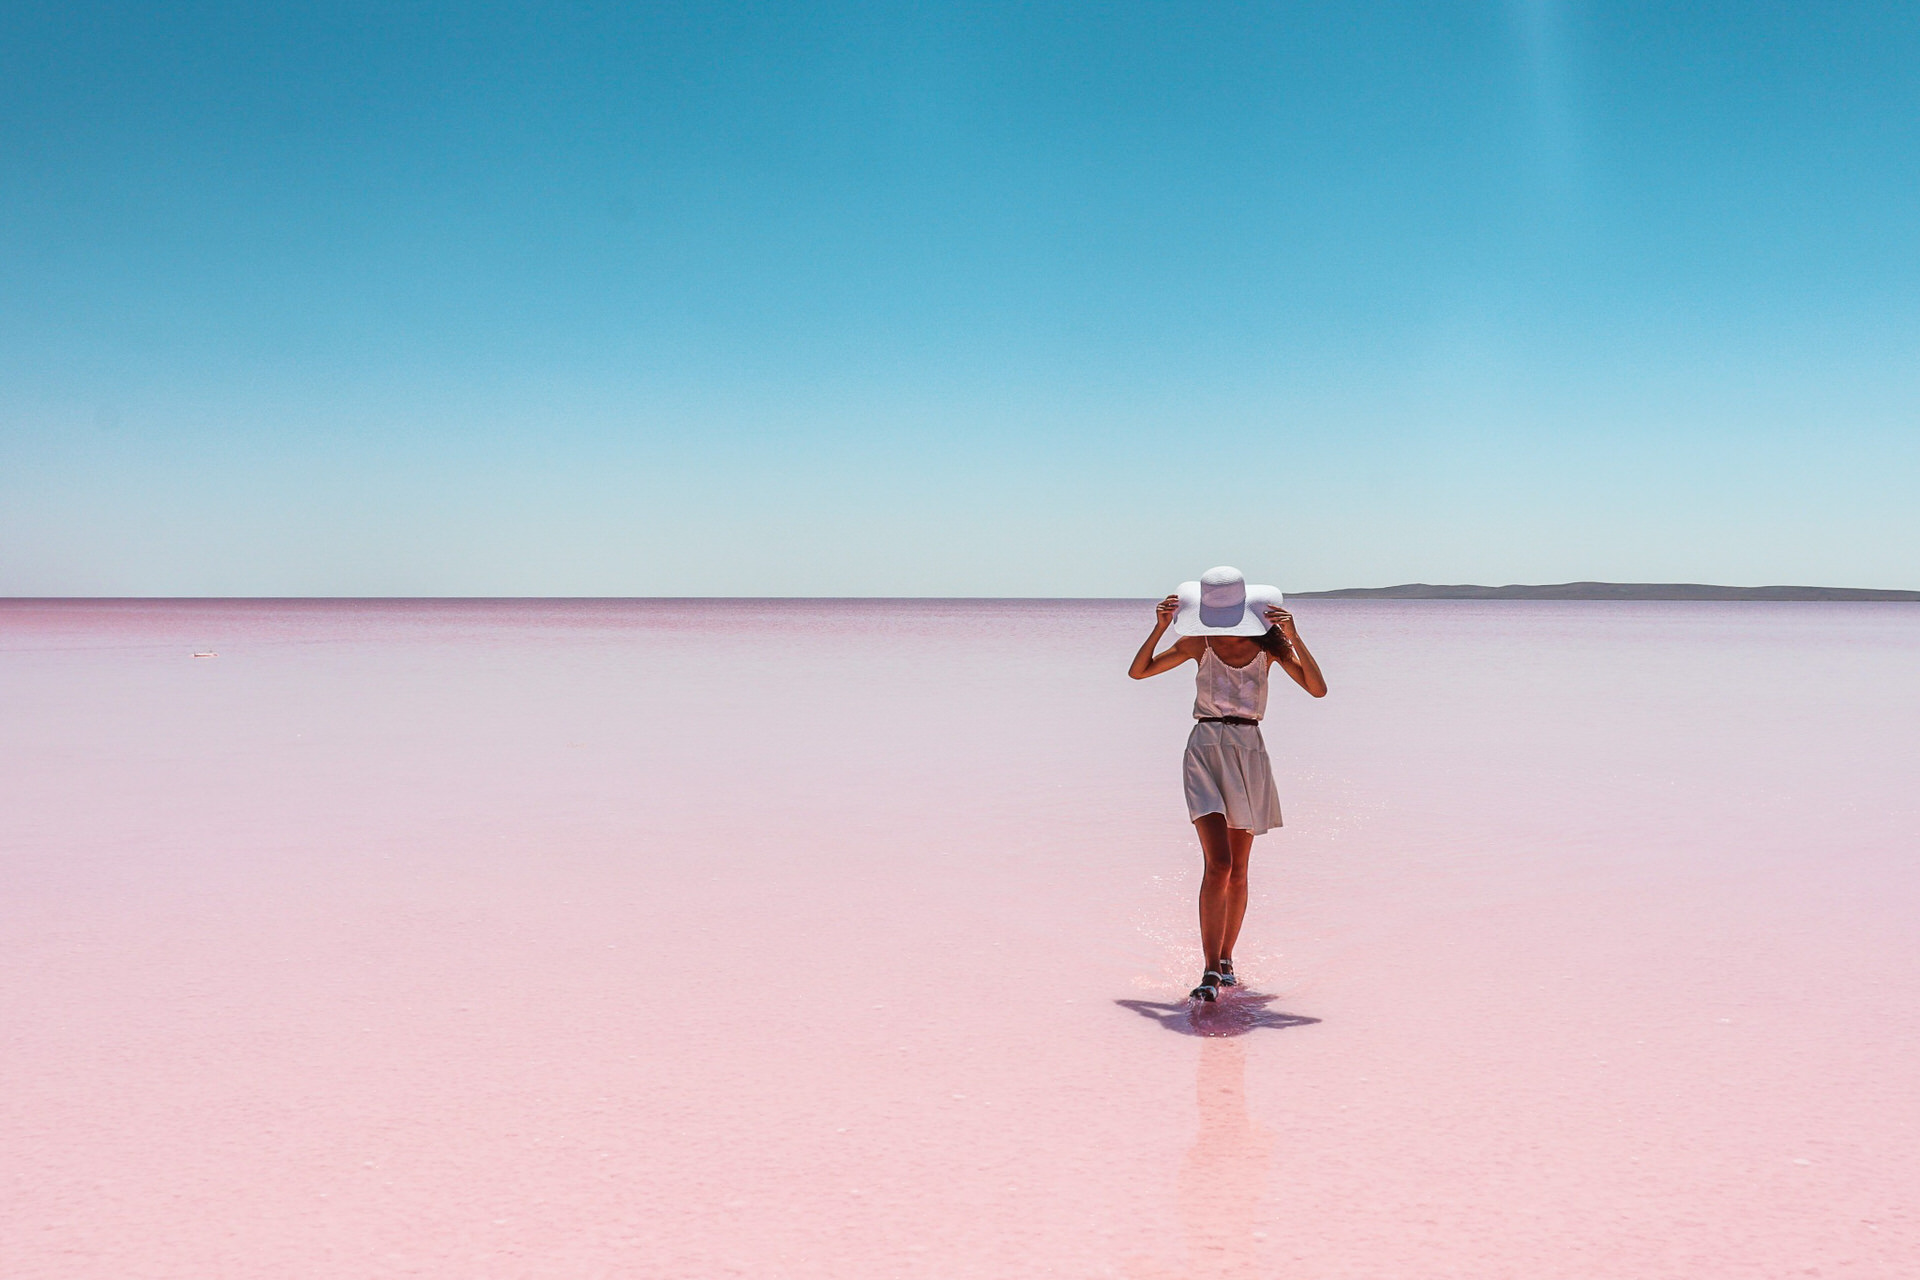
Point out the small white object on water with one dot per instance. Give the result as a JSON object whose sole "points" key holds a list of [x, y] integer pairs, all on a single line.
{"points": [[206, 654]]}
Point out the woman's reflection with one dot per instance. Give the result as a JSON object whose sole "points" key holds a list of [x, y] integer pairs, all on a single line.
{"points": [[1224, 1173]]}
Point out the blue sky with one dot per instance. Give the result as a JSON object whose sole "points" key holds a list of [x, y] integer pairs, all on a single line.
{"points": [[971, 300]]}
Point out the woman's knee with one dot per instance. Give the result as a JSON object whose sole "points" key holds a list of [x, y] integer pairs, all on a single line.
{"points": [[1241, 861]]}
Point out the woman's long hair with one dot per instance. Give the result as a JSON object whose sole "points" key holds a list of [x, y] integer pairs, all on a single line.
{"points": [[1274, 643]]}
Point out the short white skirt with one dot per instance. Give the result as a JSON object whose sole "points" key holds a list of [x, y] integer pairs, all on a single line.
{"points": [[1227, 771]]}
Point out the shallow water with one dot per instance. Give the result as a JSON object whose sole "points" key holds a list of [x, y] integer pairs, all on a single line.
{"points": [[660, 939]]}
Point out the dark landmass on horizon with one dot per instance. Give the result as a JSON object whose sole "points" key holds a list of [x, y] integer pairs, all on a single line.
{"points": [[1604, 591]]}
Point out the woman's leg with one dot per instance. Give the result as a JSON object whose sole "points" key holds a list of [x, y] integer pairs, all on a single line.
{"points": [[1216, 846], [1240, 844]]}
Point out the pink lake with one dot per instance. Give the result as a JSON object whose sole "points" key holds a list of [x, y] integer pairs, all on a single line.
{"points": [[849, 939]]}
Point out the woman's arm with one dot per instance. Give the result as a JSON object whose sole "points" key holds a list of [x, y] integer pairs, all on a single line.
{"points": [[1144, 662], [1298, 663]]}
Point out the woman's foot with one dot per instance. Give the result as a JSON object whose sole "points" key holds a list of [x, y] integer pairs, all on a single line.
{"points": [[1209, 988], [1226, 974]]}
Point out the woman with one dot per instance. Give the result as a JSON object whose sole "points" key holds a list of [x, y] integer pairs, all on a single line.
{"points": [[1235, 633]]}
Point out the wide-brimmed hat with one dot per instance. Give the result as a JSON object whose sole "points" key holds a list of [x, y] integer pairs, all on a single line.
{"points": [[1222, 604]]}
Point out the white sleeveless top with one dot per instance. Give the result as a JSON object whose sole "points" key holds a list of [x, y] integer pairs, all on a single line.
{"points": [[1222, 690]]}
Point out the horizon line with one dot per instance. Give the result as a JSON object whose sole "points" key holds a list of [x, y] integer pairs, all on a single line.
{"points": [[1569, 591]]}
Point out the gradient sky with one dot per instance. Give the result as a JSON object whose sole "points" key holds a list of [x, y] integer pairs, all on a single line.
{"points": [[839, 299]]}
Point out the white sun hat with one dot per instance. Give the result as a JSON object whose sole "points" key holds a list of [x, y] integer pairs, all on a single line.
{"points": [[1222, 604]]}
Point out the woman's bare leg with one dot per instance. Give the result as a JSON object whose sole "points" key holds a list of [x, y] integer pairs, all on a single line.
{"points": [[1216, 846], [1240, 844]]}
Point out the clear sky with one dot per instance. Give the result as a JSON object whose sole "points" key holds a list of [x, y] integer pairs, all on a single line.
{"points": [[921, 299]]}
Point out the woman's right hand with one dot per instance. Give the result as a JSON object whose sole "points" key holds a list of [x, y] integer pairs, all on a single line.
{"points": [[1145, 662]]}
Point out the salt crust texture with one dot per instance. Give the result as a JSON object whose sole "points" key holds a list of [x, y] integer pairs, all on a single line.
{"points": [[659, 939]]}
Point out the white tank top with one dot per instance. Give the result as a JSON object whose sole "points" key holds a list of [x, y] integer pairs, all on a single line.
{"points": [[1222, 690]]}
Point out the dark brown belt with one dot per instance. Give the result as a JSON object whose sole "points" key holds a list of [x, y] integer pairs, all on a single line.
{"points": [[1224, 720]]}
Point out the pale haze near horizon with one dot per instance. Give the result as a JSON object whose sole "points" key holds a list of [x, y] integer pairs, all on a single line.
{"points": [[889, 300]]}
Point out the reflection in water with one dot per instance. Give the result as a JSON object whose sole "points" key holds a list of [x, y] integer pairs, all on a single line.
{"points": [[1224, 1173]]}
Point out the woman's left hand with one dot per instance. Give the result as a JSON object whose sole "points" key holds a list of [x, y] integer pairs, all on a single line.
{"points": [[1298, 662]]}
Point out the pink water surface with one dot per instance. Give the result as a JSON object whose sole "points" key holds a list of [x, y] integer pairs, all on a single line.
{"points": [[816, 939]]}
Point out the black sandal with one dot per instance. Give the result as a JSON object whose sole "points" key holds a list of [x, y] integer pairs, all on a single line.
{"points": [[1226, 974], [1209, 988]]}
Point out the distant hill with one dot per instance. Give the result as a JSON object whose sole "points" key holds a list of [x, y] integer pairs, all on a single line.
{"points": [[1604, 591]]}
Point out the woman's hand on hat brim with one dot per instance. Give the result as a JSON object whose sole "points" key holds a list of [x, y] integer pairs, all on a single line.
{"points": [[1282, 619]]}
